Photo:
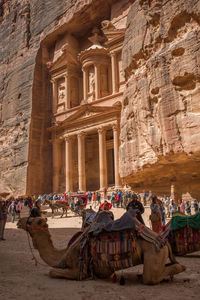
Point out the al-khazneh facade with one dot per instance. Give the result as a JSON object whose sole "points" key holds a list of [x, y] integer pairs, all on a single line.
{"points": [[87, 86]]}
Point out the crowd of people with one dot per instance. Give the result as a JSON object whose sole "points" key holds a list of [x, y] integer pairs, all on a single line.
{"points": [[161, 208]]}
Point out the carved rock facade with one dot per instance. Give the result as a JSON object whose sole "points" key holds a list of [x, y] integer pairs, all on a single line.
{"points": [[160, 115]]}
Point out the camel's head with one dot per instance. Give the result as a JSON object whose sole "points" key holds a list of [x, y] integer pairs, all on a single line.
{"points": [[32, 224]]}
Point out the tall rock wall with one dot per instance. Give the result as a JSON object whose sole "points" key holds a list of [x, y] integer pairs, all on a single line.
{"points": [[160, 121]]}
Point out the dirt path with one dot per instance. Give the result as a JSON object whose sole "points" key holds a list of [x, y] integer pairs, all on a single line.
{"points": [[21, 279]]}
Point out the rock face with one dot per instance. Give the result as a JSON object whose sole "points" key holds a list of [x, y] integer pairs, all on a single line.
{"points": [[160, 121]]}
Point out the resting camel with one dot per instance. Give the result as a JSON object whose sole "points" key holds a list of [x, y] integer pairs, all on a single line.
{"points": [[54, 207], [66, 262]]}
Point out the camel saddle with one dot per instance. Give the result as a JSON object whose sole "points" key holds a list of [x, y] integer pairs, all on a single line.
{"points": [[102, 223]]}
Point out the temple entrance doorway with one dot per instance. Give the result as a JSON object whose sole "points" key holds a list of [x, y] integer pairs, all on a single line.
{"points": [[110, 167], [92, 162]]}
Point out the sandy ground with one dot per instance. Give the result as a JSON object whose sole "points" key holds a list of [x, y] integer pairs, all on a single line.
{"points": [[21, 279]]}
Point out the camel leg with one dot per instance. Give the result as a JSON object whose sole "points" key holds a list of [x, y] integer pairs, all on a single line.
{"points": [[64, 273], [62, 212], [173, 269], [155, 269]]}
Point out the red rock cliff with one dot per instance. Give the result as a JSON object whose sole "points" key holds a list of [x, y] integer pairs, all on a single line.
{"points": [[160, 124]]}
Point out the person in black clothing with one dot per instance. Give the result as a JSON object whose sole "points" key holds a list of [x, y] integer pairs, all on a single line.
{"points": [[135, 204], [36, 210]]}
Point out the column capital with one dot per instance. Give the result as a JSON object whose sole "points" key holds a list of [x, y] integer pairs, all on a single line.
{"points": [[66, 75], [113, 53], [56, 140], [53, 80], [67, 138], [101, 130], [84, 68], [97, 64], [115, 127], [81, 134]]}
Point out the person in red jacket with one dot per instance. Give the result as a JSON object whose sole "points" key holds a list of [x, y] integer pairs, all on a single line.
{"points": [[106, 205]]}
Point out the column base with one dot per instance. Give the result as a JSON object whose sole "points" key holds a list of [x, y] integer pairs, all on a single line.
{"points": [[119, 187]]}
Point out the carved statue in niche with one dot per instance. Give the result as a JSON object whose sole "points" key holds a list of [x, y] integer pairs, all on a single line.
{"points": [[120, 69], [61, 90], [91, 84], [104, 81]]}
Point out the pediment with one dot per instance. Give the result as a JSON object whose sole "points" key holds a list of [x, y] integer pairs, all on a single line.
{"points": [[112, 33], [59, 63], [68, 56], [87, 111]]}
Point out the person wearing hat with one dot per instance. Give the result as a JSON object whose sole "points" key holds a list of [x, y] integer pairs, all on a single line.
{"points": [[135, 204], [36, 210]]}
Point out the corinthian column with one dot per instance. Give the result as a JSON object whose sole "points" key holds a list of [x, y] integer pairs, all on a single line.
{"points": [[114, 73], [116, 154], [67, 91], [85, 85], [55, 95], [56, 164], [97, 81], [81, 162], [68, 164], [102, 159]]}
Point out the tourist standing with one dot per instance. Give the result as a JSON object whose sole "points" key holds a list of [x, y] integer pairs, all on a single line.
{"points": [[162, 211], [113, 199], [12, 210], [18, 208], [94, 200], [144, 197], [135, 204], [149, 196], [125, 199], [181, 206], [155, 216], [117, 198], [30, 203], [172, 207], [196, 207], [98, 196], [3, 218], [188, 208], [89, 197], [36, 210]]}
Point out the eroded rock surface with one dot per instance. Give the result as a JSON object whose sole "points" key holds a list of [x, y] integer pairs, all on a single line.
{"points": [[160, 121]]}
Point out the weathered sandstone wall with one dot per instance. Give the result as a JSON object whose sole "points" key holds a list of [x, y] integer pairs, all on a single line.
{"points": [[160, 124]]}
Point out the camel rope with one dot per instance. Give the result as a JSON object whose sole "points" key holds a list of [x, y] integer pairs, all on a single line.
{"points": [[29, 243]]}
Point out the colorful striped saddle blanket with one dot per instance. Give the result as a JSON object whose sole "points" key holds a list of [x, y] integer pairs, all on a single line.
{"points": [[114, 249]]}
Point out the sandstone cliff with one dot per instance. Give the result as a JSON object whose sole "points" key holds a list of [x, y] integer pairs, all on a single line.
{"points": [[160, 121]]}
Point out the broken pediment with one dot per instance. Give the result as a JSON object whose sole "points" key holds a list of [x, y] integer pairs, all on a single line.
{"points": [[65, 53], [111, 33]]}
